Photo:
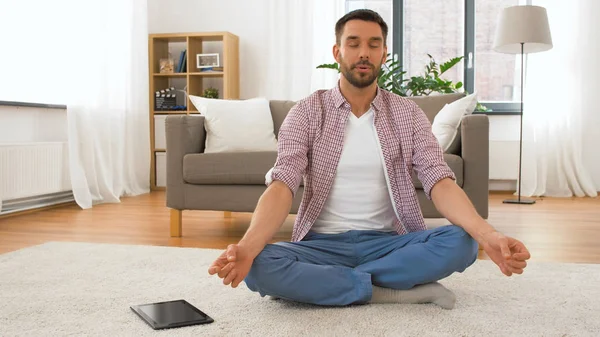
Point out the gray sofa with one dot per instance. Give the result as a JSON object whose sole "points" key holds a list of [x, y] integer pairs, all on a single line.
{"points": [[233, 182]]}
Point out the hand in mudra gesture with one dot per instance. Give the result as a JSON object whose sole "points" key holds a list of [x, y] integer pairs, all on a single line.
{"points": [[508, 253], [232, 266]]}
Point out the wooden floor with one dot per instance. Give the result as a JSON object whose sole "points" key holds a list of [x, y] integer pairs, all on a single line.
{"points": [[562, 230]]}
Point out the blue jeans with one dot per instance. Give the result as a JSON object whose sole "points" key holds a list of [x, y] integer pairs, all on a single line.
{"points": [[340, 269]]}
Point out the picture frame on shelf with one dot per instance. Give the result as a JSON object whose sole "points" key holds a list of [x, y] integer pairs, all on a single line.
{"points": [[207, 60]]}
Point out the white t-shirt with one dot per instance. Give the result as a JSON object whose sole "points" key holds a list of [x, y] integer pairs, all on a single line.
{"points": [[359, 198]]}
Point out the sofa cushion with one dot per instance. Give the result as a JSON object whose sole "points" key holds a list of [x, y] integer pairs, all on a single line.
{"points": [[432, 104], [242, 168], [456, 165], [446, 124], [236, 125], [279, 109]]}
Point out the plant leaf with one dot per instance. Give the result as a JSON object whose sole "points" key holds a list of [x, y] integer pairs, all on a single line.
{"points": [[449, 64], [393, 78], [329, 66]]}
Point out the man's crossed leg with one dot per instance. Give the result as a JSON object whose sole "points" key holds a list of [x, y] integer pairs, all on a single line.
{"points": [[359, 267]]}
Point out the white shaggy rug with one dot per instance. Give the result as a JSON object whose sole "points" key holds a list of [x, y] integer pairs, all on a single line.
{"points": [[82, 289]]}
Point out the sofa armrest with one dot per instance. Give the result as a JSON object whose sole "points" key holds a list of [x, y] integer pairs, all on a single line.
{"points": [[475, 150], [184, 134]]}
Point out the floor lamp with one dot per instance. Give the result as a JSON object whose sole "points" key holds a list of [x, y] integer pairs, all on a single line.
{"points": [[522, 30]]}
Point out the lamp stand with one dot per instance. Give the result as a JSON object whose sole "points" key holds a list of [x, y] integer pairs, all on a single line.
{"points": [[519, 200]]}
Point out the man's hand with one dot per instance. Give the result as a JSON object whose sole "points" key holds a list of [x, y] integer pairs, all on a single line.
{"points": [[232, 266], [508, 253], [452, 202]]}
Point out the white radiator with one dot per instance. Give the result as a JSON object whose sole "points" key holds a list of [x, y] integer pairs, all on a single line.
{"points": [[33, 173]]}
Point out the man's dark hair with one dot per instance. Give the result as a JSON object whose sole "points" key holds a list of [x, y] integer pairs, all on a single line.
{"points": [[360, 14]]}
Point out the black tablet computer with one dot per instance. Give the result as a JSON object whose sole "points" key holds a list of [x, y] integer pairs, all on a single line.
{"points": [[171, 314]]}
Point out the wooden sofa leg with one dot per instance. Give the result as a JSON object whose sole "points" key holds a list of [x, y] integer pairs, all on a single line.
{"points": [[176, 222], [227, 214]]}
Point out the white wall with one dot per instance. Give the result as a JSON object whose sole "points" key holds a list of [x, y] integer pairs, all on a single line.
{"points": [[25, 124], [504, 147], [246, 19], [504, 152]]}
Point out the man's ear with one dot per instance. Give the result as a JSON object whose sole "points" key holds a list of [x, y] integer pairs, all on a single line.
{"points": [[336, 53], [384, 56]]}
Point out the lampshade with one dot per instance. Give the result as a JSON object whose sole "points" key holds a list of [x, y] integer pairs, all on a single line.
{"points": [[523, 24]]}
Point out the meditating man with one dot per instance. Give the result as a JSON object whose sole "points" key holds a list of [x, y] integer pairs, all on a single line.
{"points": [[359, 235]]}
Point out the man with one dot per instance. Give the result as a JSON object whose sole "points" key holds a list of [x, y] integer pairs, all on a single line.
{"points": [[359, 235]]}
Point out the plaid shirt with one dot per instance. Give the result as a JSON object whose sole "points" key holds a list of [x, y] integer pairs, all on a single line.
{"points": [[310, 143]]}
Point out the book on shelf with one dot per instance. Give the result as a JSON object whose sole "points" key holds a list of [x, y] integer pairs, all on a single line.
{"points": [[182, 61]]}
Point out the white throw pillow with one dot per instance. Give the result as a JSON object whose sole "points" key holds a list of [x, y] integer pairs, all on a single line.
{"points": [[236, 125], [446, 122]]}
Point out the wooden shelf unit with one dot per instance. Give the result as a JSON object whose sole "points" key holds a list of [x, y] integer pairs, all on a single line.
{"points": [[163, 46]]}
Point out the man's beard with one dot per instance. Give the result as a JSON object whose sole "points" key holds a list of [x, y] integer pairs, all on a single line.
{"points": [[360, 80]]}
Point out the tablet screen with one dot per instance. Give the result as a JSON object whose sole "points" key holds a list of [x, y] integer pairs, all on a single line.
{"points": [[171, 312]]}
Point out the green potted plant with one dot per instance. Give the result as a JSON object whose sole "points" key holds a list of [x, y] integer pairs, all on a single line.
{"points": [[211, 93], [392, 78]]}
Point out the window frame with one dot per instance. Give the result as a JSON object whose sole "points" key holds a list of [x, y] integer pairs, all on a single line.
{"points": [[498, 108]]}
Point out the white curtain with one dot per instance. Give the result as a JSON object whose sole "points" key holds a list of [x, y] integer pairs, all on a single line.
{"points": [[92, 56], [108, 110], [325, 15], [555, 106], [301, 35]]}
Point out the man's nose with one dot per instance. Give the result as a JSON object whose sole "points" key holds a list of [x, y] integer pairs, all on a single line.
{"points": [[364, 53]]}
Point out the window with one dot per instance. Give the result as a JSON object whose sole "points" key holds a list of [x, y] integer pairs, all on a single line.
{"points": [[450, 28], [497, 76], [434, 27]]}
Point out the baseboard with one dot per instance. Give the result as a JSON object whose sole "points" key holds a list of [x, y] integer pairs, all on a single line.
{"points": [[502, 185], [22, 205]]}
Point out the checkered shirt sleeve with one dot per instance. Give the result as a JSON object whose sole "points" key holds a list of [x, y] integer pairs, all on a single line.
{"points": [[428, 157], [292, 149]]}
